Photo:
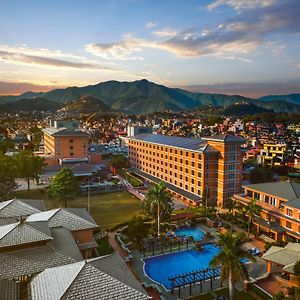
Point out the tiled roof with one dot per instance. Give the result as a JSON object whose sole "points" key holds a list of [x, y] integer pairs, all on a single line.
{"points": [[293, 203], [286, 256], [60, 251], [17, 208], [114, 266], [65, 132], [20, 233], [174, 141], [65, 217], [9, 290], [82, 280], [282, 189]]}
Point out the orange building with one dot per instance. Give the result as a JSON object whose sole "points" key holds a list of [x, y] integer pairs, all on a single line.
{"points": [[64, 143], [280, 203], [189, 166]]}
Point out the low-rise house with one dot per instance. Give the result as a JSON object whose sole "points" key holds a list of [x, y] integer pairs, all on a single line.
{"points": [[77, 220], [280, 203]]}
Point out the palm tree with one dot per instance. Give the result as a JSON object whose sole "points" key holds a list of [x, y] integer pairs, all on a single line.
{"points": [[158, 201], [251, 210], [229, 259]]}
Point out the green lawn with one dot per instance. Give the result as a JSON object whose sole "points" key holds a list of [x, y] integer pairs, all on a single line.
{"points": [[108, 210], [238, 295]]}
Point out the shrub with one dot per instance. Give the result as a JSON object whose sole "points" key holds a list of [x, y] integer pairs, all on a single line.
{"points": [[226, 226]]}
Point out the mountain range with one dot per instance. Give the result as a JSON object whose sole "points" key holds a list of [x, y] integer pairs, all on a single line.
{"points": [[135, 97]]}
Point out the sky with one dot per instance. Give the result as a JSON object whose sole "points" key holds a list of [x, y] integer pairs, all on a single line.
{"points": [[248, 47]]}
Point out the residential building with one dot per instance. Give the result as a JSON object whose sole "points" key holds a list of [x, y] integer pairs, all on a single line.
{"points": [[65, 143], [272, 154], [189, 166], [280, 203]]}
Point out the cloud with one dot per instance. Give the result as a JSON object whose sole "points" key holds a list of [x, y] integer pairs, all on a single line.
{"points": [[234, 38], [16, 88], [239, 5], [121, 50], [45, 57], [167, 32], [150, 25]]}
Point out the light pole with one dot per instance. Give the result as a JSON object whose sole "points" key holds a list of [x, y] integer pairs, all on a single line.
{"points": [[88, 194]]}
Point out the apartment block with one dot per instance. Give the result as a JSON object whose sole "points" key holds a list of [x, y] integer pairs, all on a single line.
{"points": [[189, 166], [64, 143], [280, 203]]}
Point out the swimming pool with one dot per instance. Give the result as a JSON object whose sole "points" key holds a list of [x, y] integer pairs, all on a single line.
{"points": [[160, 268], [193, 232]]}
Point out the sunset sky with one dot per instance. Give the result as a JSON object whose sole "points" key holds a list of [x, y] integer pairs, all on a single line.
{"points": [[251, 47]]}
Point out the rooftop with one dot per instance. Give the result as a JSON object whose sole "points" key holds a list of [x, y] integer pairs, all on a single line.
{"points": [[282, 189], [88, 280], [72, 219], [64, 132], [20, 233], [60, 251], [285, 256], [174, 141], [20, 207]]}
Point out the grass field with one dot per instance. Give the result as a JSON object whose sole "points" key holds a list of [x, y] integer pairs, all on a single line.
{"points": [[224, 292], [108, 210]]}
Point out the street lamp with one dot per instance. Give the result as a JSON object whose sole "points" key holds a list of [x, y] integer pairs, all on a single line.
{"points": [[88, 194]]}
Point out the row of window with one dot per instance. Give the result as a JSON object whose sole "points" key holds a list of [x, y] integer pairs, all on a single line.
{"points": [[166, 149]]}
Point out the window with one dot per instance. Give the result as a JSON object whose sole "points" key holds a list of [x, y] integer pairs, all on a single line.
{"points": [[193, 155], [256, 196], [266, 200], [71, 141], [199, 166], [288, 225], [289, 212], [231, 185], [231, 167], [231, 176]]}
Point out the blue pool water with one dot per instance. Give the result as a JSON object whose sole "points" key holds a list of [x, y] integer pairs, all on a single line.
{"points": [[193, 232], [159, 268]]}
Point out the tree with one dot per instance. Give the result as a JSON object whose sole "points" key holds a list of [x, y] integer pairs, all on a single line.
{"points": [[8, 173], [205, 197], [230, 259], [158, 203], [29, 166], [136, 228], [251, 210], [119, 161], [64, 186], [37, 135], [261, 174]]}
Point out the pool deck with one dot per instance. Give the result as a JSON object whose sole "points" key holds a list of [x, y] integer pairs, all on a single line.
{"points": [[256, 270]]}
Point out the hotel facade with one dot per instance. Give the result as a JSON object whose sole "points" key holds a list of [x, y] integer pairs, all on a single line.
{"points": [[190, 166]]}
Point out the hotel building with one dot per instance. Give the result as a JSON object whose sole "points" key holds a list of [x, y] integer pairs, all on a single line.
{"points": [[189, 166], [64, 143], [280, 203]]}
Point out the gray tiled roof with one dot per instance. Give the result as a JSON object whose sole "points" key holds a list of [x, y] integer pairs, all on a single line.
{"points": [[66, 218], [62, 250], [173, 141], [81, 280], [114, 266], [16, 208], [20, 233], [282, 189], [293, 203], [286, 256], [9, 290], [64, 132]]}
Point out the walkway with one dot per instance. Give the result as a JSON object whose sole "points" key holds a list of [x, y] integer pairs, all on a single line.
{"points": [[115, 245]]}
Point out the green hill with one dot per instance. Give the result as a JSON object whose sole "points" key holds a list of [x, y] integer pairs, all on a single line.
{"points": [[142, 96], [292, 98], [240, 110], [30, 104], [86, 105]]}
